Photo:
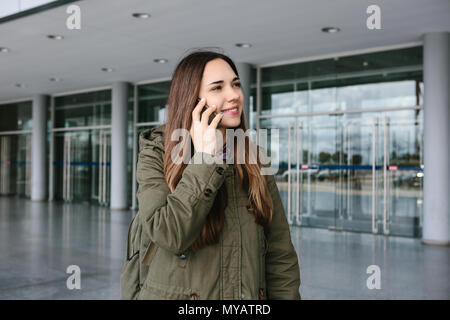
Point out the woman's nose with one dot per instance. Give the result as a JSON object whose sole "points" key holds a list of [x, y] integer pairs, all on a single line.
{"points": [[232, 95]]}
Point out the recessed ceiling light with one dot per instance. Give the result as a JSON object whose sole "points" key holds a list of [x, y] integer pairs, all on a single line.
{"points": [[107, 69], [4, 50], [141, 15], [20, 85], [243, 45], [55, 79], [330, 29], [55, 36], [160, 60]]}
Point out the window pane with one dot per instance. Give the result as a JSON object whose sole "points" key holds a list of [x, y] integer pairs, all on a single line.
{"points": [[16, 116], [374, 80], [152, 102], [83, 109]]}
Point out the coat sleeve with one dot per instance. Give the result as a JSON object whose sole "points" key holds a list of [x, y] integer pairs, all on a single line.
{"points": [[282, 267], [173, 221]]}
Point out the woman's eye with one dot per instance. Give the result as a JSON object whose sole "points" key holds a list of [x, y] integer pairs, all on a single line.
{"points": [[238, 84]]}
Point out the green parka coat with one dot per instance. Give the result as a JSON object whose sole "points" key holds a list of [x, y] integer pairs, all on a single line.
{"points": [[245, 264]]}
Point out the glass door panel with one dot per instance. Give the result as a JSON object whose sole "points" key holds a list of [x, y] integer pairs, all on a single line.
{"points": [[15, 164], [313, 177], [400, 195], [358, 169], [82, 166]]}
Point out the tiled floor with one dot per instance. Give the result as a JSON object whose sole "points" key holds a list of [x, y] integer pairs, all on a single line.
{"points": [[39, 240]]}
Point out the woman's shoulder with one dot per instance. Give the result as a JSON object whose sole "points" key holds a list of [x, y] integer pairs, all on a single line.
{"points": [[152, 139]]}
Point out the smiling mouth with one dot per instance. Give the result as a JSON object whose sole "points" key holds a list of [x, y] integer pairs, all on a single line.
{"points": [[235, 109]]}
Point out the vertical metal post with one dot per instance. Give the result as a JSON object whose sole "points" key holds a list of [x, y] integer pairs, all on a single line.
{"points": [[69, 168], [310, 147], [135, 146], [349, 175], [289, 174], [27, 166], [64, 168], [298, 148], [51, 167], [374, 176], [385, 175], [2, 165], [100, 164], [105, 165], [258, 102]]}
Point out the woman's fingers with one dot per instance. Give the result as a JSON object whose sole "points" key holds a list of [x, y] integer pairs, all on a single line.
{"points": [[198, 108], [206, 114], [216, 120]]}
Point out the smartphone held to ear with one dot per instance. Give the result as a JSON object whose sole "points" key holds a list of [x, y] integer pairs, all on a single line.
{"points": [[211, 117]]}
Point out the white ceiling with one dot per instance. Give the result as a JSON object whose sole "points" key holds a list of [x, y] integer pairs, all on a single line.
{"points": [[110, 37]]}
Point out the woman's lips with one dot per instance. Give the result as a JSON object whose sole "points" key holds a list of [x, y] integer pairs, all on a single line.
{"points": [[232, 111]]}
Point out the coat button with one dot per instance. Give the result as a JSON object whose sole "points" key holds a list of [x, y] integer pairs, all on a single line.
{"points": [[219, 170], [182, 256], [193, 296], [208, 192]]}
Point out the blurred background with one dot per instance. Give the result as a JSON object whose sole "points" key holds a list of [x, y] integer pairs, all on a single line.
{"points": [[359, 91]]}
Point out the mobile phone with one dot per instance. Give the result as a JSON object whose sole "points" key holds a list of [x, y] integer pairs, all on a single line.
{"points": [[211, 117]]}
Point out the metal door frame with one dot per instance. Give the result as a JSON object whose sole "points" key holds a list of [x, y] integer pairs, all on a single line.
{"points": [[374, 198]]}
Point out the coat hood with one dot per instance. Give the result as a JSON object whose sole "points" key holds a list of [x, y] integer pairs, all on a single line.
{"points": [[152, 138]]}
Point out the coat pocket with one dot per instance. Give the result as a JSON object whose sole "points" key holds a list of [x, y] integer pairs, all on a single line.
{"points": [[263, 247], [158, 291], [129, 278]]}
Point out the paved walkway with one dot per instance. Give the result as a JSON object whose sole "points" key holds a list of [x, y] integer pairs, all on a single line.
{"points": [[39, 240]]}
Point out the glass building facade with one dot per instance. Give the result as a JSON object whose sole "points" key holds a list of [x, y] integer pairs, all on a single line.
{"points": [[350, 149], [15, 148], [351, 140]]}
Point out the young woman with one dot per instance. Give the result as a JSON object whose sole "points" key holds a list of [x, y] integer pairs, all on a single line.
{"points": [[216, 230]]}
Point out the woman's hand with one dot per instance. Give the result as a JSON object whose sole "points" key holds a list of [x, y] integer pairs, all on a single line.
{"points": [[204, 135]]}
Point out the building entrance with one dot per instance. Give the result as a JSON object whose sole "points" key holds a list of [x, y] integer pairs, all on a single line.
{"points": [[15, 164], [82, 166], [354, 172]]}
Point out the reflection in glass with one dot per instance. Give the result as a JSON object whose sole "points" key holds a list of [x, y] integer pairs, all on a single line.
{"points": [[333, 173], [375, 80], [15, 164], [16, 116], [152, 102], [83, 109]]}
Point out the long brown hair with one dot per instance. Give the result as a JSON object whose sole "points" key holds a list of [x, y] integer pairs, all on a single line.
{"points": [[184, 90]]}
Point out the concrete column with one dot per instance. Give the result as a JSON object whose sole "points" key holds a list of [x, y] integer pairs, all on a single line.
{"points": [[39, 148], [119, 145], [244, 70], [436, 219]]}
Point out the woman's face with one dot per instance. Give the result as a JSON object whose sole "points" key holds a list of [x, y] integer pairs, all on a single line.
{"points": [[221, 87]]}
